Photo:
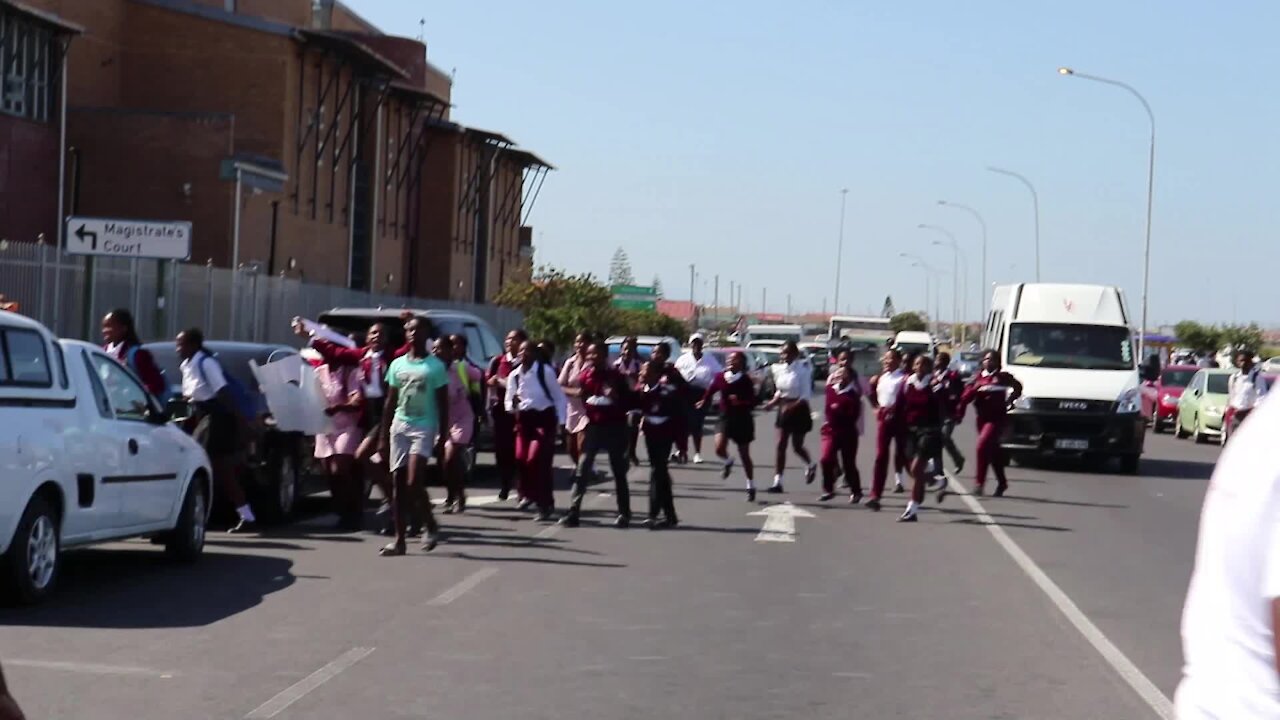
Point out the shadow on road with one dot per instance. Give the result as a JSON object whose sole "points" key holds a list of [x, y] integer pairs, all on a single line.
{"points": [[1026, 526], [142, 588], [1013, 497], [1177, 469], [535, 560]]}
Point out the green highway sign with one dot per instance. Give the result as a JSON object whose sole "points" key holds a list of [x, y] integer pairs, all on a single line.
{"points": [[635, 304], [639, 290]]}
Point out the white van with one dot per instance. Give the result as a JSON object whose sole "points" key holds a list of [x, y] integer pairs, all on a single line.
{"points": [[1072, 348], [771, 335], [87, 456], [909, 342]]}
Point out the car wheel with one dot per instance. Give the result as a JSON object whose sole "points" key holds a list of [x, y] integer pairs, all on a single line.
{"points": [[1199, 433], [35, 557], [186, 542], [280, 494], [1129, 464], [1178, 432], [1156, 427]]}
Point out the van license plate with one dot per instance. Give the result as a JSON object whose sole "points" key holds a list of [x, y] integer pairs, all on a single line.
{"points": [[1071, 444]]}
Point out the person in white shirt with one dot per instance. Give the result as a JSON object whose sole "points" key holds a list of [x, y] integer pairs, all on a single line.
{"points": [[884, 396], [699, 370], [539, 404], [1245, 389], [1230, 643], [213, 422], [793, 378]]}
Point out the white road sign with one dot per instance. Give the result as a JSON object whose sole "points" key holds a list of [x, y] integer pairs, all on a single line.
{"points": [[129, 238]]}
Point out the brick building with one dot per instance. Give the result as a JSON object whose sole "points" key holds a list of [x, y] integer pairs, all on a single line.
{"points": [[296, 137]]}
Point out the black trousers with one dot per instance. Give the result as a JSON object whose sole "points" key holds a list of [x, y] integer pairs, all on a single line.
{"points": [[612, 439], [948, 427], [660, 497]]}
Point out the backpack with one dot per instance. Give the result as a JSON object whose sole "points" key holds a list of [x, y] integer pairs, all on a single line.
{"points": [[166, 392], [241, 401]]}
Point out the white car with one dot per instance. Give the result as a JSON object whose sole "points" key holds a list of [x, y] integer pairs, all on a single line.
{"points": [[1271, 366], [88, 456]]}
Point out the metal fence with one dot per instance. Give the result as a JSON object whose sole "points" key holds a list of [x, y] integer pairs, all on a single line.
{"points": [[166, 297]]}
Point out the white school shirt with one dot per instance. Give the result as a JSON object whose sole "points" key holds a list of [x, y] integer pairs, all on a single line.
{"points": [[1227, 639], [523, 383], [794, 380], [377, 371], [202, 377], [698, 372], [888, 386], [1246, 391]]}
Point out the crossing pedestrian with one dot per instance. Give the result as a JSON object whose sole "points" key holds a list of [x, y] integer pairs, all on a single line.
{"points": [[737, 425], [920, 407], [607, 397], [539, 405], [575, 419], [660, 402], [121, 342], [461, 428], [215, 420], [1245, 389], [890, 438], [793, 378], [841, 428], [504, 423], [679, 424], [629, 364], [698, 369], [992, 393], [336, 448], [952, 387], [417, 388]]}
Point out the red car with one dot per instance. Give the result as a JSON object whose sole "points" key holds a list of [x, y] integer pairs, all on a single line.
{"points": [[1160, 398], [1230, 414]]}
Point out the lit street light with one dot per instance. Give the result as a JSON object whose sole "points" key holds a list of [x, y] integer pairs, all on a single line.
{"points": [[1151, 174], [1035, 206]]}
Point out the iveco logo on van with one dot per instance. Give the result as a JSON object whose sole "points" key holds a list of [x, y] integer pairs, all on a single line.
{"points": [[1073, 405]]}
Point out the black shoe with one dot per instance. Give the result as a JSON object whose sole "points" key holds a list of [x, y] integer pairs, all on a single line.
{"points": [[775, 490], [810, 473], [524, 504], [751, 494], [430, 541], [570, 520], [942, 489], [824, 497], [726, 471], [449, 508], [672, 522], [1000, 490], [414, 531], [503, 494], [622, 522], [244, 527], [899, 488], [650, 522], [392, 550], [978, 491], [959, 465], [908, 516], [855, 497], [873, 504], [544, 516]]}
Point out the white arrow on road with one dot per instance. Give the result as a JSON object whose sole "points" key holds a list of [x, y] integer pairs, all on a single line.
{"points": [[779, 522]]}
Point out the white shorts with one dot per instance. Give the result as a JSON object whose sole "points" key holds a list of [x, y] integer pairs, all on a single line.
{"points": [[408, 440]]}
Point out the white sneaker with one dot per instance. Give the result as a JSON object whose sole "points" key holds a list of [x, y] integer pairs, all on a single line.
{"points": [[697, 458]]}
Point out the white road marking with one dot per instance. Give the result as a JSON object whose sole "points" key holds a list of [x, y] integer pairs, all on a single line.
{"points": [[299, 690], [472, 500], [1118, 661], [89, 668], [462, 587], [779, 522]]}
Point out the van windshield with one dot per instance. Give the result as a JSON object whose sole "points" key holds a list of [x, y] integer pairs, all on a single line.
{"points": [[1079, 347]]}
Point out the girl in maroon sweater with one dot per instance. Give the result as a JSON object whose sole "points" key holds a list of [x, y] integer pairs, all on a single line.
{"points": [[920, 406], [737, 400], [841, 428], [992, 393]]}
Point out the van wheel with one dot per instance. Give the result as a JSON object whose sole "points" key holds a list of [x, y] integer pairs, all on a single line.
{"points": [[35, 557], [186, 542]]}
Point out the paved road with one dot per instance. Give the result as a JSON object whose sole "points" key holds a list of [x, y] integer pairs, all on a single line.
{"points": [[860, 616]]}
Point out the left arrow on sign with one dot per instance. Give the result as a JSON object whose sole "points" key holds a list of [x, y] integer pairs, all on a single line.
{"points": [[779, 522], [93, 237]]}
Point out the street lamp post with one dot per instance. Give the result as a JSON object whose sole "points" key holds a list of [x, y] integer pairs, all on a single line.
{"points": [[1151, 176], [844, 194], [1035, 206], [955, 281], [919, 262], [981, 221]]}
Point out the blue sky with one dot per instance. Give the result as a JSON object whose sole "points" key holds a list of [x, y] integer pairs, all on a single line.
{"points": [[720, 134]]}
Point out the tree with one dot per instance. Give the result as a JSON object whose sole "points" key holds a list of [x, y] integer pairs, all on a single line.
{"points": [[906, 322], [1198, 337], [557, 305], [645, 322], [1242, 337], [888, 311], [657, 286], [620, 269]]}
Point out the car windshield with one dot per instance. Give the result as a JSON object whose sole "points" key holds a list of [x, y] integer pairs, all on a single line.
{"points": [[1079, 347], [1217, 384], [1177, 378]]}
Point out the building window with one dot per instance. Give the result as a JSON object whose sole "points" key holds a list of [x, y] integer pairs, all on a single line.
{"points": [[26, 68]]}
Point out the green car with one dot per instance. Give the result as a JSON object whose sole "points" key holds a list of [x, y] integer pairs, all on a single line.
{"points": [[1202, 405]]}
